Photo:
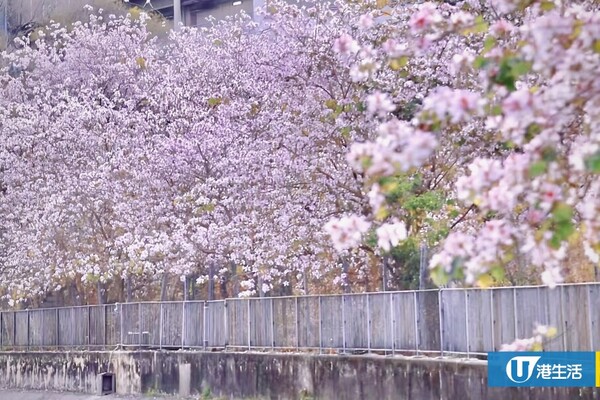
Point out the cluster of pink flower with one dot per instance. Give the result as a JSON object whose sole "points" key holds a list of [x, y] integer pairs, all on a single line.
{"points": [[533, 95]]}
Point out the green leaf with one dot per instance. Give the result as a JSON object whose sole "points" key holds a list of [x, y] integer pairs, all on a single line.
{"points": [[331, 104], [480, 25], [547, 5], [439, 276], [592, 163], [345, 132], [596, 46], [562, 226], [398, 63], [510, 70], [562, 212], [532, 131], [498, 273], [537, 168], [214, 101], [480, 62], [488, 44]]}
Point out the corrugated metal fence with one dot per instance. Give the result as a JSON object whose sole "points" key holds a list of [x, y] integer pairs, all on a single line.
{"points": [[465, 321]]}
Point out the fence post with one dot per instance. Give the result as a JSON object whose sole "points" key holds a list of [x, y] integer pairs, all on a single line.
{"points": [[467, 323], [589, 314], [89, 325], [514, 290], [226, 322], [104, 320], [416, 320], [343, 323], [368, 323], [14, 329], [272, 326], [249, 325], [121, 324], [320, 327], [41, 327], [492, 320], [183, 325], [297, 326], [393, 317], [204, 339], [562, 314], [57, 328], [140, 330], [1, 330], [160, 325], [441, 316], [28, 329]]}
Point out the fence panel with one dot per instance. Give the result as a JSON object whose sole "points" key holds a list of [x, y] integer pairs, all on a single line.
{"points": [[405, 337], [172, 323], [381, 322], [8, 328], [553, 299], [215, 328], [193, 323], [454, 324], [130, 318], [576, 323], [22, 326], [150, 325], [72, 330], [356, 313], [237, 322], [530, 309], [97, 325], [504, 316], [308, 322], [480, 320], [285, 325], [428, 320], [112, 318], [261, 322], [36, 328], [332, 322], [594, 315]]}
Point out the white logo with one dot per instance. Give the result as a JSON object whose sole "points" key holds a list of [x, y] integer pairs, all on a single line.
{"points": [[519, 366]]}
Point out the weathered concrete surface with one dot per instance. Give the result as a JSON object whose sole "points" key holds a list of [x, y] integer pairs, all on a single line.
{"points": [[266, 376], [45, 395]]}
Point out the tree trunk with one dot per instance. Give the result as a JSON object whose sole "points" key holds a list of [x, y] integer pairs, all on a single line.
{"points": [[163, 287], [128, 289]]}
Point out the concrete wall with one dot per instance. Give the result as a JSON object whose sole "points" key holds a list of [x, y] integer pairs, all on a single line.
{"points": [[266, 376]]}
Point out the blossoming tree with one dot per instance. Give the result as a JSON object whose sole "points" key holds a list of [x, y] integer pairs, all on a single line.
{"points": [[524, 80]]}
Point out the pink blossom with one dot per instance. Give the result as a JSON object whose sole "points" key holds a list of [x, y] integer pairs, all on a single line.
{"points": [[345, 45], [426, 16], [389, 235], [365, 21], [346, 232], [380, 104]]}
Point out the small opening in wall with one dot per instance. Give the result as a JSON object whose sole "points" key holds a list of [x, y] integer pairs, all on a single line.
{"points": [[107, 382]]}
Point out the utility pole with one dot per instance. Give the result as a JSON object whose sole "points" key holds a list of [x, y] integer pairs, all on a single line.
{"points": [[423, 261], [177, 14]]}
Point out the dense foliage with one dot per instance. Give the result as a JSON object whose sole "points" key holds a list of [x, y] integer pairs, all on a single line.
{"points": [[247, 146]]}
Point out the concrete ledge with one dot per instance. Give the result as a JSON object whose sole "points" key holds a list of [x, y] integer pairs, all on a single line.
{"points": [[274, 376]]}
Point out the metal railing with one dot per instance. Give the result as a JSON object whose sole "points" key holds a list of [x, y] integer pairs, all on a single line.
{"points": [[446, 321]]}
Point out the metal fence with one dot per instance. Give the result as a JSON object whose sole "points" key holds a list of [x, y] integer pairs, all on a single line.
{"points": [[462, 321]]}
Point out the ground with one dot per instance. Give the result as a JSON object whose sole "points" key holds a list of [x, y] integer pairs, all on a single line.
{"points": [[42, 395]]}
